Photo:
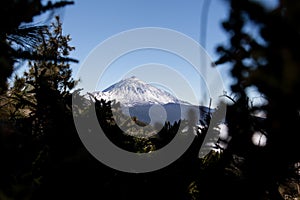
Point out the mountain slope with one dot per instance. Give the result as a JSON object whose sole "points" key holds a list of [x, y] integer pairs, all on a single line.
{"points": [[131, 92]]}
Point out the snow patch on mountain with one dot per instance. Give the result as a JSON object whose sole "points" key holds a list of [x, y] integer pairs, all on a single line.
{"points": [[132, 91]]}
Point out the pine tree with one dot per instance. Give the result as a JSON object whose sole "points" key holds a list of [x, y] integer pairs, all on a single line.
{"points": [[48, 82]]}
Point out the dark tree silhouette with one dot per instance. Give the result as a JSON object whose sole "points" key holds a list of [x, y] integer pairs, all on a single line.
{"points": [[268, 61], [37, 119]]}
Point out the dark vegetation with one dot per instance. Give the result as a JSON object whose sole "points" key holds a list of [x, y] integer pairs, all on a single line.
{"points": [[42, 157]]}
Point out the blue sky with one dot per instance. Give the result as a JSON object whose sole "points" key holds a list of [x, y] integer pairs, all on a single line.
{"points": [[92, 22]]}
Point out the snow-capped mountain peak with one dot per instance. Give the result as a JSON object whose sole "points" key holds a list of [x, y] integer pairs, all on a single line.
{"points": [[132, 91]]}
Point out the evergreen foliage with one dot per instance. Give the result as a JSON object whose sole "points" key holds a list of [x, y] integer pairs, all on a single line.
{"points": [[17, 36]]}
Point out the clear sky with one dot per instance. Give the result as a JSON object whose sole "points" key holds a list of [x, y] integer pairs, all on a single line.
{"points": [[91, 22]]}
